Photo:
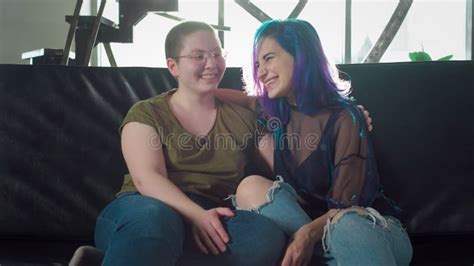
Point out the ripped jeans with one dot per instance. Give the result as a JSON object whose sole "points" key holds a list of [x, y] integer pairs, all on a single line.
{"points": [[354, 239]]}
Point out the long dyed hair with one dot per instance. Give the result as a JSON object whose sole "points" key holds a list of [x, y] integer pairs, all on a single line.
{"points": [[315, 82]]}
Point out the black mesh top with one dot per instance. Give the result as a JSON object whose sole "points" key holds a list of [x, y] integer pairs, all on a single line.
{"points": [[328, 158]]}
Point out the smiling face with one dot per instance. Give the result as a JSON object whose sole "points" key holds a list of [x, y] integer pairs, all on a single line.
{"points": [[200, 76], [275, 69]]}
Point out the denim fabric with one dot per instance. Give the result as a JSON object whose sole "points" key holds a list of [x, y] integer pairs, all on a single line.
{"points": [[139, 230], [353, 239], [281, 207]]}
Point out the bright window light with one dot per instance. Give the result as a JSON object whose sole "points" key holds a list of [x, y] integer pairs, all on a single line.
{"points": [[437, 26]]}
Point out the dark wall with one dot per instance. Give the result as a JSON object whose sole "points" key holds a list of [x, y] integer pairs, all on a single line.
{"points": [[423, 119]]}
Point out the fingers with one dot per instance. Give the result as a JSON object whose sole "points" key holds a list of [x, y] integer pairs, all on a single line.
{"points": [[221, 233], [217, 224], [215, 235], [225, 212], [287, 260], [204, 242], [370, 127], [368, 120], [217, 232], [208, 242], [211, 235], [367, 117], [366, 114], [290, 260], [296, 256], [199, 243]]}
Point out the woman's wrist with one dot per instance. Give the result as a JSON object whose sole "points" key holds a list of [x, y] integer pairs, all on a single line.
{"points": [[315, 229], [309, 232], [194, 213]]}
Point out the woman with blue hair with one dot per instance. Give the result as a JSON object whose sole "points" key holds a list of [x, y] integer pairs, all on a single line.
{"points": [[326, 194]]}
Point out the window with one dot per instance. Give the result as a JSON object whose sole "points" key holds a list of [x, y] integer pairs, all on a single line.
{"points": [[437, 26]]}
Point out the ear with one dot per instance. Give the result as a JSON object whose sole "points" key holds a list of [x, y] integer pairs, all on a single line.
{"points": [[172, 67]]}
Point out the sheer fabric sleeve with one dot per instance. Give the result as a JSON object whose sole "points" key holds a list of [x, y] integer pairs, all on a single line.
{"points": [[354, 177]]}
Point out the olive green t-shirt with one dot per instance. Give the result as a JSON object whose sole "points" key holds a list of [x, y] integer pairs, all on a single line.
{"points": [[211, 165]]}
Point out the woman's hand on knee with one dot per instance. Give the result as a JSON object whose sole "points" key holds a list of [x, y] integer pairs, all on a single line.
{"points": [[208, 231], [300, 249]]}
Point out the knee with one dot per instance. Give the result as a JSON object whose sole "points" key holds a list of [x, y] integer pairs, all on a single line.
{"points": [[252, 191], [353, 226]]}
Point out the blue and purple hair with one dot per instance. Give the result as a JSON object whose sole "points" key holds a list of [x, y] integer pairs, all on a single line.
{"points": [[315, 82]]}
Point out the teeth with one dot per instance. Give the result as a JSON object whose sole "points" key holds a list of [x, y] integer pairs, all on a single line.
{"points": [[270, 81], [209, 76]]}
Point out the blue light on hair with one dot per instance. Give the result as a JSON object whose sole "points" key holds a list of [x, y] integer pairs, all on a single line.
{"points": [[315, 82]]}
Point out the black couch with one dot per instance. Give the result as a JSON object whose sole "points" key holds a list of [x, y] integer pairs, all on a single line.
{"points": [[60, 158]]}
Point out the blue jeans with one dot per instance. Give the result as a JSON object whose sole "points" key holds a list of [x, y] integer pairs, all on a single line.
{"points": [[138, 230], [354, 239]]}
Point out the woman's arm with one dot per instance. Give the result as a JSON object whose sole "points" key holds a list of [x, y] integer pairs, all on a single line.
{"points": [[142, 150], [237, 97], [241, 98], [301, 247], [143, 154]]}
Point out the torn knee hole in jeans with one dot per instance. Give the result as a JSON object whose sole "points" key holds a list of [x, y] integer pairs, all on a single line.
{"points": [[372, 213], [269, 196]]}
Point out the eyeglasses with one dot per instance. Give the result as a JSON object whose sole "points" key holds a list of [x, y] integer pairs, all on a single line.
{"points": [[201, 57]]}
